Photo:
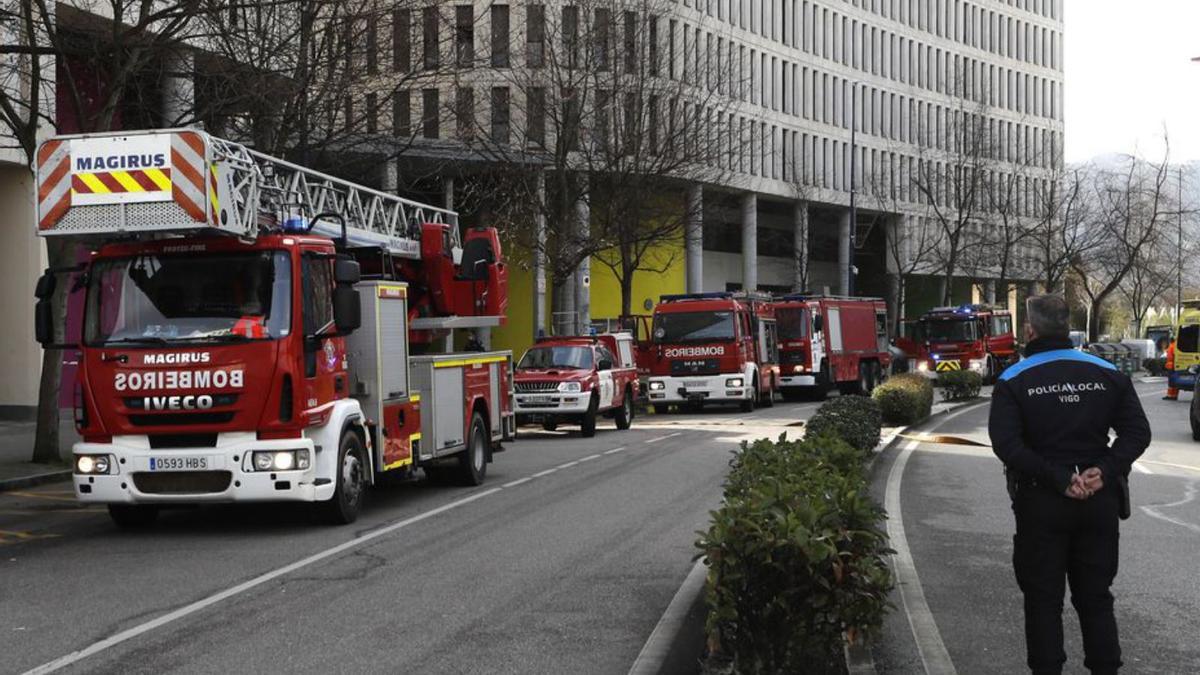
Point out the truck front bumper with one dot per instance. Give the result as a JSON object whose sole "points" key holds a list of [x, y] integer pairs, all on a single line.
{"points": [[798, 381], [555, 403], [222, 473], [699, 389]]}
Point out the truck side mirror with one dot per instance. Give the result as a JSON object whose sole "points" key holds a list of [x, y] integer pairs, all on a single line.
{"points": [[43, 317], [347, 313], [604, 364], [346, 271]]}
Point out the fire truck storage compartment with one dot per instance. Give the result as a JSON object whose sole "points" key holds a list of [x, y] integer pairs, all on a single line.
{"points": [[442, 382], [378, 352]]}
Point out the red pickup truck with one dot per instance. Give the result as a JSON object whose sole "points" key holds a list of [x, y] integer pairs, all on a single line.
{"points": [[577, 379]]}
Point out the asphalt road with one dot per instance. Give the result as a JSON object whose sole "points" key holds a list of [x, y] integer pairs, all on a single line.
{"points": [[959, 527], [562, 562]]}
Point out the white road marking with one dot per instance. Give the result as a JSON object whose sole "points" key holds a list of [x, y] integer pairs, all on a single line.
{"points": [[663, 438], [614, 450], [547, 472], [514, 483], [567, 465], [589, 458], [930, 646], [1189, 495], [1176, 466], [169, 617], [1138, 467]]}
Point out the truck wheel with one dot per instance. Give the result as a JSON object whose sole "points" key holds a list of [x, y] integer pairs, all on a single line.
{"points": [[351, 481], [749, 404], [1193, 412], [133, 516], [864, 380], [472, 462], [660, 408], [625, 412], [550, 424], [989, 373], [587, 426]]}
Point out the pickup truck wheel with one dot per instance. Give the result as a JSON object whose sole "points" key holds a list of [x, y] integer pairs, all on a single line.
{"points": [[351, 480], [587, 426], [625, 412], [550, 424], [133, 516], [472, 462]]}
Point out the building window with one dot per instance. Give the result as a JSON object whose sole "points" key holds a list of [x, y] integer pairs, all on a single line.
{"points": [[348, 114], [652, 30], [535, 113], [372, 48], [429, 113], [499, 36], [602, 46], [464, 112], [500, 115], [372, 113], [429, 37], [630, 41], [535, 36], [464, 36], [570, 30], [402, 40], [402, 114]]}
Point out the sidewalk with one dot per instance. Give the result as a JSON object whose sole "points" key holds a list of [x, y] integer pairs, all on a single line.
{"points": [[16, 447]]}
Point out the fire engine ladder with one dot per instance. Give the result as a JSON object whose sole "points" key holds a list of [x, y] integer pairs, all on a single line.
{"points": [[210, 184]]}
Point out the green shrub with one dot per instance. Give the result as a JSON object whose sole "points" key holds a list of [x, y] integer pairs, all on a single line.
{"points": [[854, 419], [959, 385], [904, 399], [796, 558]]}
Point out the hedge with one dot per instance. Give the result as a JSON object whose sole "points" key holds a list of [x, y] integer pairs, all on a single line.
{"points": [[796, 558], [904, 399], [959, 385], [853, 419]]}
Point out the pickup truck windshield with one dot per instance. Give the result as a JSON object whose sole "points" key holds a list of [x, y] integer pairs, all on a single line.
{"points": [[174, 299], [547, 358], [949, 330], [792, 322], [693, 327]]}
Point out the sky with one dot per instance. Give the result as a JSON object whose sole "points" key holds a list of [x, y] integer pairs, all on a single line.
{"points": [[1129, 73]]}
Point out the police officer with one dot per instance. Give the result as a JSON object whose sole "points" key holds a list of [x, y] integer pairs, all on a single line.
{"points": [[1050, 418]]}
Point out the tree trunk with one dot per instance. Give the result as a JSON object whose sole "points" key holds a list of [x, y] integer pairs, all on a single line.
{"points": [[1096, 306], [46, 440]]}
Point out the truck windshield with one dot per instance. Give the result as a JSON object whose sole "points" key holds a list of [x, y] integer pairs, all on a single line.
{"points": [[169, 299], [693, 327], [546, 358], [949, 330], [792, 322]]}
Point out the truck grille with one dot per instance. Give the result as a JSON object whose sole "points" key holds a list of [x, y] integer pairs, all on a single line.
{"points": [[525, 387], [182, 482], [176, 419], [797, 358]]}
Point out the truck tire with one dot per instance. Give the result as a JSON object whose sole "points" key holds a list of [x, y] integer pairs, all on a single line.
{"points": [[624, 414], [133, 516], [587, 426], [1194, 418], [661, 408], [349, 483], [749, 404], [472, 462], [550, 424]]}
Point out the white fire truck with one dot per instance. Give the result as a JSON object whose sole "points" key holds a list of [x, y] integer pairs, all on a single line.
{"points": [[246, 328]]}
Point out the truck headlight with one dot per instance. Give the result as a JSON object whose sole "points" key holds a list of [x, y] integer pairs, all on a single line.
{"points": [[281, 460], [977, 364], [923, 367], [734, 382], [92, 464], [569, 387], [656, 385]]}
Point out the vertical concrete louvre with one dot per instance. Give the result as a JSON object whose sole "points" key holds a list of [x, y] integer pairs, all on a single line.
{"points": [[749, 241], [800, 246], [583, 291], [694, 239], [845, 254]]}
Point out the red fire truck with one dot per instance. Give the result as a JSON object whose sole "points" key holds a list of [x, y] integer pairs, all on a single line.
{"points": [[232, 348], [827, 341], [576, 380], [712, 348], [968, 337]]}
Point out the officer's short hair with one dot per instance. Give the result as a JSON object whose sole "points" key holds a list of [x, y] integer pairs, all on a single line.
{"points": [[1049, 315]]}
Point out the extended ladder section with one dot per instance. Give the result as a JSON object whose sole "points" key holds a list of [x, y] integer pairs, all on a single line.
{"points": [[184, 180]]}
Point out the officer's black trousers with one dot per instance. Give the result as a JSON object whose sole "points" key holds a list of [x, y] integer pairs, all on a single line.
{"points": [[1060, 539]]}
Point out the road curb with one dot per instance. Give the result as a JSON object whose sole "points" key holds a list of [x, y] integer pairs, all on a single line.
{"points": [[20, 482], [661, 652]]}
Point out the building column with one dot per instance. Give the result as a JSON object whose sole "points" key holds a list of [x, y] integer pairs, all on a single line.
{"points": [[539, 257], [845, 252], [178, 90], [800, 246], [989, 291], [750, 241], [694, 239], [941, 290], [389, 176], [448, 193], [583, 279]]}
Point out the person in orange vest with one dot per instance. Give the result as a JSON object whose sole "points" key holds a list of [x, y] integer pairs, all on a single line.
{"points": [[1172, 392]]}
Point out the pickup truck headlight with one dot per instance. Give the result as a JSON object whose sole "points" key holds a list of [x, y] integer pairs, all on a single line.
{"points": [[656, 385], [735, 382], [569, 387]]}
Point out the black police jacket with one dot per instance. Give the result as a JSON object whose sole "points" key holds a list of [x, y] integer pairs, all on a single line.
{"points": [[1052, 411]]}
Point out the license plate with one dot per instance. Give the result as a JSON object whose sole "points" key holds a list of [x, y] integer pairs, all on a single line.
{"points": [[696, 397], [179, 463], [539, 399]]}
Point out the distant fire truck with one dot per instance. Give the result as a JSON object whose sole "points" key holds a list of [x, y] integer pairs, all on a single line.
{"points": [[830, 341], [577, 379], [233, 350], [712, 348], [968, 337]]}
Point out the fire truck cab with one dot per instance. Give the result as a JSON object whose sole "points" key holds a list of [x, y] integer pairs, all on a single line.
{"points": [[713, 348], [968, 337], [232, 349], [828, 341], [576, 380]]}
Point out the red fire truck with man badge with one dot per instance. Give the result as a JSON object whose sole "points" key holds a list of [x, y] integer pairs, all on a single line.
{"points": [[248, 324]]}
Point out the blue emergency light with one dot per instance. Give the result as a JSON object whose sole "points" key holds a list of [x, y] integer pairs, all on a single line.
{"points": [[295, 224]]}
